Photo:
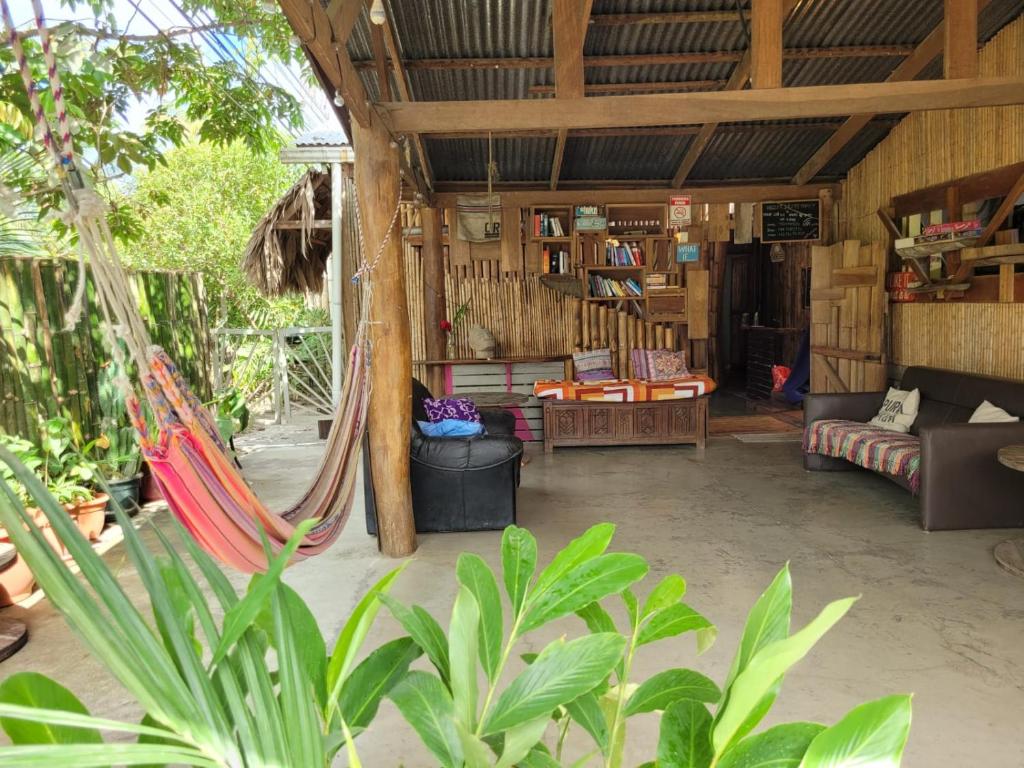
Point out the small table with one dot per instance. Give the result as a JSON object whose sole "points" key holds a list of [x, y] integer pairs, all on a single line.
{"points": [[1010, 553], [495, 399]]}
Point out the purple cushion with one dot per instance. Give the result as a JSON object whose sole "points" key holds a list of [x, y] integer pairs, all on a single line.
{"points": [[459, 408]]}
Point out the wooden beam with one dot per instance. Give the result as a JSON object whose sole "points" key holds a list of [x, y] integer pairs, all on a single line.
{"points": [[737, 82], [434, 311], [377, 182], [652, 59], [568, 31], [679, 17], [1002, 212], [766, 44], [313, 27], [960, 59], [343, 15], [660, 130], [402, 84], [380, 62], [597, 89], [733, 193], [692, 108], [908, 69]]}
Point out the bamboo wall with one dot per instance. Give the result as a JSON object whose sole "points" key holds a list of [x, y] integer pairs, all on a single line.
{"points": [[45, 370], [926, 149]]}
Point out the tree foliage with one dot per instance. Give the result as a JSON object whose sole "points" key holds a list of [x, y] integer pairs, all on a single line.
{"points": [[197, 211], [108, 73]]}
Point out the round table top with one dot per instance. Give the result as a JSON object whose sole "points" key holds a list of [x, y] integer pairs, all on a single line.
{"points": [[494, 399], [1012, 456]]}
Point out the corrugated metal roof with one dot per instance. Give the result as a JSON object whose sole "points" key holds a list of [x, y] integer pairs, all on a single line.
{"points": [[322, 137], [435, 29]]}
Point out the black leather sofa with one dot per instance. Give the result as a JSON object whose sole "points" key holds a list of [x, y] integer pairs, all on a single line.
{"points": [[458, 483], [963, 485]]}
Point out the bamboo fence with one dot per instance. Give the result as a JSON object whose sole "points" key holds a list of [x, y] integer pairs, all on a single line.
{"points": [[46, 370]]}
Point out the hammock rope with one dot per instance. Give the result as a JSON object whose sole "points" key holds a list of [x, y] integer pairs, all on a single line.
{"points": [[186, 455]]}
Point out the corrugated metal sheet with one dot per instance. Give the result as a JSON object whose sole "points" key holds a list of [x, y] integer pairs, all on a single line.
{"points": [[623, 157], [466, 159], [852, 153], [322, 137]]}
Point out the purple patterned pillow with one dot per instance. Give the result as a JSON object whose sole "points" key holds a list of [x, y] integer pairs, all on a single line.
{"points": [[459, 408]]}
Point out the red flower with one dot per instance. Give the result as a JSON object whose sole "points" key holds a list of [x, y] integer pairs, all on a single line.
{"points": [[446, 326]]}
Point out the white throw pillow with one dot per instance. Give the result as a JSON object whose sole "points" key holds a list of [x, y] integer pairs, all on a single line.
{"points": [[898, 411], [986, 413]]}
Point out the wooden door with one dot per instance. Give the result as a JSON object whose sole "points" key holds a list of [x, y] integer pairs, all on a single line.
{"points": [[848, 306]]}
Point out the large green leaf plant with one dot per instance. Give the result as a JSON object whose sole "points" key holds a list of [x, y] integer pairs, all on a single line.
{"points": [[248, 680]]}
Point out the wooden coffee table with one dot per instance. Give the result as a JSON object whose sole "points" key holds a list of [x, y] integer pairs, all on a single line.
{"points": [[495, 399], [1010, 553]]}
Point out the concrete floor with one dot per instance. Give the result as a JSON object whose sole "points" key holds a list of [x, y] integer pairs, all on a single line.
{"points": [[937, 618]]}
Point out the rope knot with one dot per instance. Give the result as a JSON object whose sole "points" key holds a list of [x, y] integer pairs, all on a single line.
{"points": [[89, 203]]}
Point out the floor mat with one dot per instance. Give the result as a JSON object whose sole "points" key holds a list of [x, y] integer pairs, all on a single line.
{"points": [[735, 425], [769, 437]]}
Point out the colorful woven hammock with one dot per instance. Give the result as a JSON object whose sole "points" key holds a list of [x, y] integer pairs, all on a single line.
{"points": [[187, 457]]}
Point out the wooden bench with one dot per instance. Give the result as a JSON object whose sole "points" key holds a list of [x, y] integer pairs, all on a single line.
{"points": [[663, 422]]}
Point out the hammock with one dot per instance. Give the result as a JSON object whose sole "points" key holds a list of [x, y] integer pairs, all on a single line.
{"points": [[187, 457]]}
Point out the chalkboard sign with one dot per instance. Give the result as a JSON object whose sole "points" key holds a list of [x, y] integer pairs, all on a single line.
{"points": [[791, 221]]}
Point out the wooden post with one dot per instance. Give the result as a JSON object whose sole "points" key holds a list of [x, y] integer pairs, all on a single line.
{"points": [[827, 223], [960, 56], [433, 298], [766, 44], [377, 184]]}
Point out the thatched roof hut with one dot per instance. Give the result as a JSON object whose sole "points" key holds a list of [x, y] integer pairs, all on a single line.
{"points": [[289, 248]]}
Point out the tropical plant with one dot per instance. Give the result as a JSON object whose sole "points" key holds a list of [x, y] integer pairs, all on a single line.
{"points": [[254, 688], [231, 412], [585, 682], [258, 688], [117, 452]]}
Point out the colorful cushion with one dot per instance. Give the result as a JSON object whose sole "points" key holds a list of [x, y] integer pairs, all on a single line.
{"points": [[658, 364], [459, 408], [987, 413], [881, 450], [899, 410], [625, 390], [595, 365], [451, 428]]}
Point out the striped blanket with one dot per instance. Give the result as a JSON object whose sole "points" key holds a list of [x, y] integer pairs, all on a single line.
{"points": [[877, 449], [625, 390]]}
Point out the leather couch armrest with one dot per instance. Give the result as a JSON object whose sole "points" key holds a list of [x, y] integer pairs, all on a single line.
{"points": [[853, 406], [465, 453], [963, 485]]}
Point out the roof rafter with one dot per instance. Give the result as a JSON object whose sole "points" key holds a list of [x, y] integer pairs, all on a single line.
{"points": [[910, 68], [569, 29]]}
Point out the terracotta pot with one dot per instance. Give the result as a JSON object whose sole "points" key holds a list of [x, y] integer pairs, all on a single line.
{"points": [[43, 524], [149, 490], [90, 516], [16, 579]]}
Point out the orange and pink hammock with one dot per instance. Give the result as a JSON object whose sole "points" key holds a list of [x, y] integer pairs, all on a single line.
{"points": [[186, 455]]}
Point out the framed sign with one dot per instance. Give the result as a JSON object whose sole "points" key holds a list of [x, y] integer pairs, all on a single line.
{"points": [[791, 221], [680, 211], [687, 252]]}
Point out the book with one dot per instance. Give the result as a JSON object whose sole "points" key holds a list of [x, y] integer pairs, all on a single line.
{"points": [[952, 226]]}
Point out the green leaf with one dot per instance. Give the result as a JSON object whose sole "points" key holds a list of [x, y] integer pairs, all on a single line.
{"points": [[427, 705], [592, 543], [562, 672], [539, 758], [520, 739], [780, 747], [31, 689], [684, 740], [592, 580], [669, 591], [371, 680], [241, 615], [297, 697], [872, 734], [354, 632], [766, 669], [596, 618], [632, 607], [424, 629], [475, 752], [518, 563], [673, 621], [767, 622], [587, 713], [473, 573], [668, 687], [462, 650], [103, 755]]}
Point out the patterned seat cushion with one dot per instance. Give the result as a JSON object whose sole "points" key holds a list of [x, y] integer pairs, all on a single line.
{"points": [[880, 450], [625, 390]]}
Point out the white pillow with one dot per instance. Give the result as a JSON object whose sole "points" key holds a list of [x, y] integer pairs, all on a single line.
{"points": [[898, 411], [986, 413]]}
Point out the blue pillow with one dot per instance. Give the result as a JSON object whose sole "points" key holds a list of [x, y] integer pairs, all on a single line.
{"points": [[451, 428]]}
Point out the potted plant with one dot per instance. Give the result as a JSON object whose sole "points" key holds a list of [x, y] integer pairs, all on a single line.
{"points": [[119, 459], [69, 474]]}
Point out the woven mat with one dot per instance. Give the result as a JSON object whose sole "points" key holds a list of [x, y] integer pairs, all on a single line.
{"points": [[735, 425]]}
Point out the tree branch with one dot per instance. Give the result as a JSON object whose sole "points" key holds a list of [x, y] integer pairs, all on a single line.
{"points": [[170, 32]]}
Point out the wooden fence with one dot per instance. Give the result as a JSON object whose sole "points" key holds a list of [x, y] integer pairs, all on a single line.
{"points": [[45, 369]]}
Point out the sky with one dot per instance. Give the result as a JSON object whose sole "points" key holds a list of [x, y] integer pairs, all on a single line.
{"points": [[316, 110]]}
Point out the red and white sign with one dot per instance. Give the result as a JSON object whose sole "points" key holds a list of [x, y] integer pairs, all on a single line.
{"points": [[679, 211]]}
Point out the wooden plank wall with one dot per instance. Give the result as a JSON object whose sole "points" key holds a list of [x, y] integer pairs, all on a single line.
{"points": [[492, 378], [930, 148], [45, 370]]}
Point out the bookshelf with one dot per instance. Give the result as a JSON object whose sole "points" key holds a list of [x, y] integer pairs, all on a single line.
{"points": [[550, 223], [602, 283]]}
